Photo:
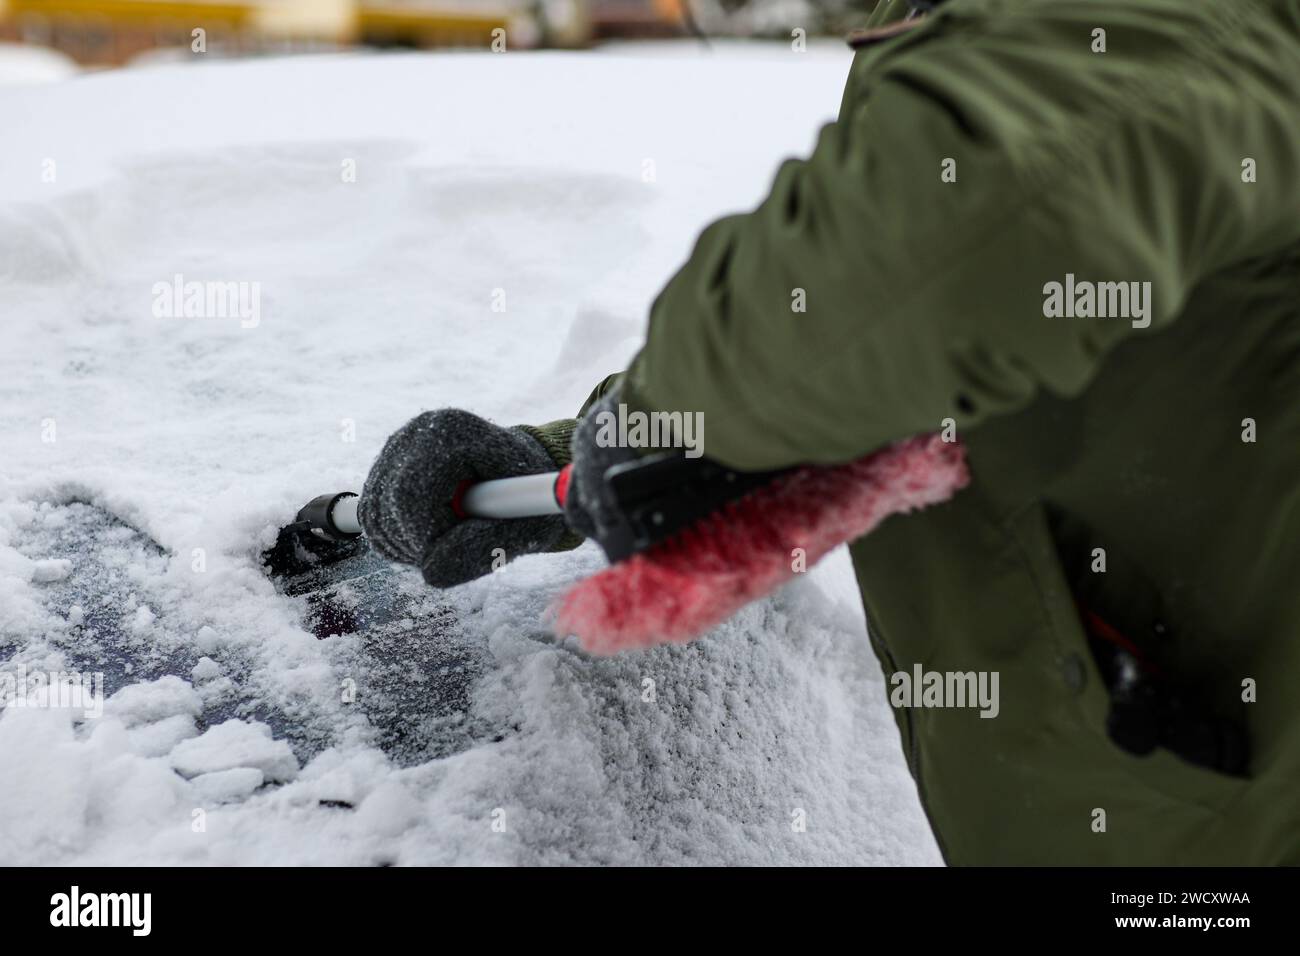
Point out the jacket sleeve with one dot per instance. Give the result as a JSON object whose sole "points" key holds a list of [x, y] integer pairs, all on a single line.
{"points": [[599, 392], [924, 298]]}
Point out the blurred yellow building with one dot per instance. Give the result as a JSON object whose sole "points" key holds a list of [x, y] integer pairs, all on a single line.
{"points": [[114, 31]]}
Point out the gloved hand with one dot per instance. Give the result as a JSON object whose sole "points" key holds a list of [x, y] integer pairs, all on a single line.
{"points": [[681, 489], [589, 507], [405, 506]]}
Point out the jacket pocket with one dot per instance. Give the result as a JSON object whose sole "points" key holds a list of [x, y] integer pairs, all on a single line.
{"points": [[1131, 650]]}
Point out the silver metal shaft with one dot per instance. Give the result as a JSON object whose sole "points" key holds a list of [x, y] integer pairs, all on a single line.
{"points": [[527, 496]]}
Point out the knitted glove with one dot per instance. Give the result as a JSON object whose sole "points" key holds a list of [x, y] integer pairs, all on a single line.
{"points": [[405, 506]]}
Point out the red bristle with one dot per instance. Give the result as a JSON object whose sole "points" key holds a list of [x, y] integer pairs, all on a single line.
{"points": [[681, 587]]}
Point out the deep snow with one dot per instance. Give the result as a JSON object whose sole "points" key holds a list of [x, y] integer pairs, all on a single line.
{"points": [[569, 185]]}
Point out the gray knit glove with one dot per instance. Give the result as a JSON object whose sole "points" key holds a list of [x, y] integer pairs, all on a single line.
{"points": [[405, 506], [589, 507]]}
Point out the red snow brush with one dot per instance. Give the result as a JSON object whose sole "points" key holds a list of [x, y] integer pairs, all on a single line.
{"points": [[681, 585], [693, 541]]}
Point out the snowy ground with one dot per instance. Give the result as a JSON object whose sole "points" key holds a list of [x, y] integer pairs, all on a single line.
{"points": [[147, 461]]}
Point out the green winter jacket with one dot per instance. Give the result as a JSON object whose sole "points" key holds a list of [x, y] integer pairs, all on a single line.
{"points": [[1143, 467]]}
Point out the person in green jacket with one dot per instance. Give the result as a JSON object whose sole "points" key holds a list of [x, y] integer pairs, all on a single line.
{"points": [[1068, 231]]}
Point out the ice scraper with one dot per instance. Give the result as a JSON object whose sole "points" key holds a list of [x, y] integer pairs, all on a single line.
{"points": [[690, 541]]}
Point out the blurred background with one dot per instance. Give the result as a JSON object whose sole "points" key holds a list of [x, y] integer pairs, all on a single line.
{"points": [[46, 39]]}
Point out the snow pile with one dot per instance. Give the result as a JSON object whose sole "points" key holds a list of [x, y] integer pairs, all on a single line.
{"points": [[25, 65], [232, 746], [421, 230]]}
